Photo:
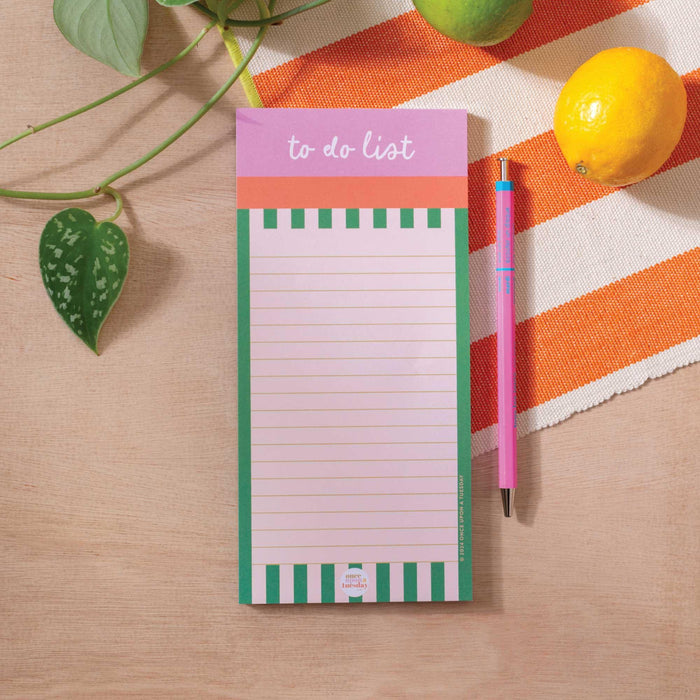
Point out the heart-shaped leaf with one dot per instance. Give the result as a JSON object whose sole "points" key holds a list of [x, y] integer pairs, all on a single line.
{"points": [[112, 31], [83, 265]]}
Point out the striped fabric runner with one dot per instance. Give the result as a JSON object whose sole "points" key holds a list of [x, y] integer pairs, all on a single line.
{"points": [[608, 280]]}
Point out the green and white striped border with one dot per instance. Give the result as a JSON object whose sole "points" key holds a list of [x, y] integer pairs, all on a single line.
{"points": [[386, 582], [324, 218]]}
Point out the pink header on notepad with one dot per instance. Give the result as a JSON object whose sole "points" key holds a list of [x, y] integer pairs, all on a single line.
{"points": [[351, 143]]}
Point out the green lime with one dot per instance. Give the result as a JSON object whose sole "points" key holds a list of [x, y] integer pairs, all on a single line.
{"points": [[477, 22]]}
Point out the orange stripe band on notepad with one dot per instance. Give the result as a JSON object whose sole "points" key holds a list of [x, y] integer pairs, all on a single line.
{"points": [[405, 58], [351, 192], [592, 336]]}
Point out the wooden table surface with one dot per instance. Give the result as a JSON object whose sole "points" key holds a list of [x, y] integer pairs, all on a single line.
{"points": [[118, 473]]}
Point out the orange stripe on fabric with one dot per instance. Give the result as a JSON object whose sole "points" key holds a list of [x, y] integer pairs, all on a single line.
{"points": [[592, 336], [404, 57], [545, 186], [351, 192]]}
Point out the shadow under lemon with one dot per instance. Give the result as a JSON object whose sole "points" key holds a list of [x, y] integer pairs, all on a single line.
{"points": [[679, 198]]}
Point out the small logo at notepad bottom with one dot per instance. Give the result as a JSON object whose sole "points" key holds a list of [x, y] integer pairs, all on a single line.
{"points": [[354, 583]]}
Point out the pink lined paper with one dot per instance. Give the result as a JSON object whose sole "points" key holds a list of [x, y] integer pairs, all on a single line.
{"points": [[353, 395]]}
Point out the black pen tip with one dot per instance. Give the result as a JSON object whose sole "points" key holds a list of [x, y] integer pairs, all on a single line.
{"points": [[508, 498]]}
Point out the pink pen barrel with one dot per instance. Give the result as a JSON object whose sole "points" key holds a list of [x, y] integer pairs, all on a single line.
{"points": [[505, 301]]}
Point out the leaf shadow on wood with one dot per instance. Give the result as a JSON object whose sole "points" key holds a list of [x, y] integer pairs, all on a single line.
{"points": [[167, 36], [150, 173], [153, 271]]}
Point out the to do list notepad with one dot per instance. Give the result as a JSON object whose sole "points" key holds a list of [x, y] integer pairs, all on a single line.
{"points": [[353, 318]]}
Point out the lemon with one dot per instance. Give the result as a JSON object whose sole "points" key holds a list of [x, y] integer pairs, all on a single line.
{"points": [[476, 22], [620, 116]]}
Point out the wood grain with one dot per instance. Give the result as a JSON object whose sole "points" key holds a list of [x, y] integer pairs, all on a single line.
{"points": [[118, 488]]}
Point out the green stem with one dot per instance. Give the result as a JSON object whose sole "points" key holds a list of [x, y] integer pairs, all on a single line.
{"points": [[118, 199], [273, 19], [17, 194], [197, 116], [262, 9], [35, 129]]}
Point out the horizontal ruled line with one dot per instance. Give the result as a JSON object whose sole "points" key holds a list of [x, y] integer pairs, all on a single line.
{"points": [[306, 376], [296, 393], [303, 410], [329, 512], [361, 461], [400, 476], [297, 272], [302, 308], [320, 444], [312, 325], [285, 257], [338, 359], [293, 342], [324, 529], [317, 427], [345, 291], [367, 563], [309, 291], [341, 546], [384, 561], [309, 495]]}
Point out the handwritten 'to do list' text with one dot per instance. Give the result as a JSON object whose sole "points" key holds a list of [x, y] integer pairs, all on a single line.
{"points": [[373, 148]]}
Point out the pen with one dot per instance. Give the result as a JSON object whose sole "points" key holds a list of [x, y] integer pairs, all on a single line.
{"points": [[505, 295]]}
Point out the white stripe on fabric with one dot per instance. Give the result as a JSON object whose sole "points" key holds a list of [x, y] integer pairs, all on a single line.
{"points": [[585, 397], [590, 247], [528, 85]]}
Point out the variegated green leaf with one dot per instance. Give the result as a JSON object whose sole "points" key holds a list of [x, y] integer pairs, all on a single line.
{"points": [[112, 31], [83, 265]]}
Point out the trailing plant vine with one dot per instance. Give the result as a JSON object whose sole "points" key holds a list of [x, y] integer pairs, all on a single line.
{"points": [[84, 262]]}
